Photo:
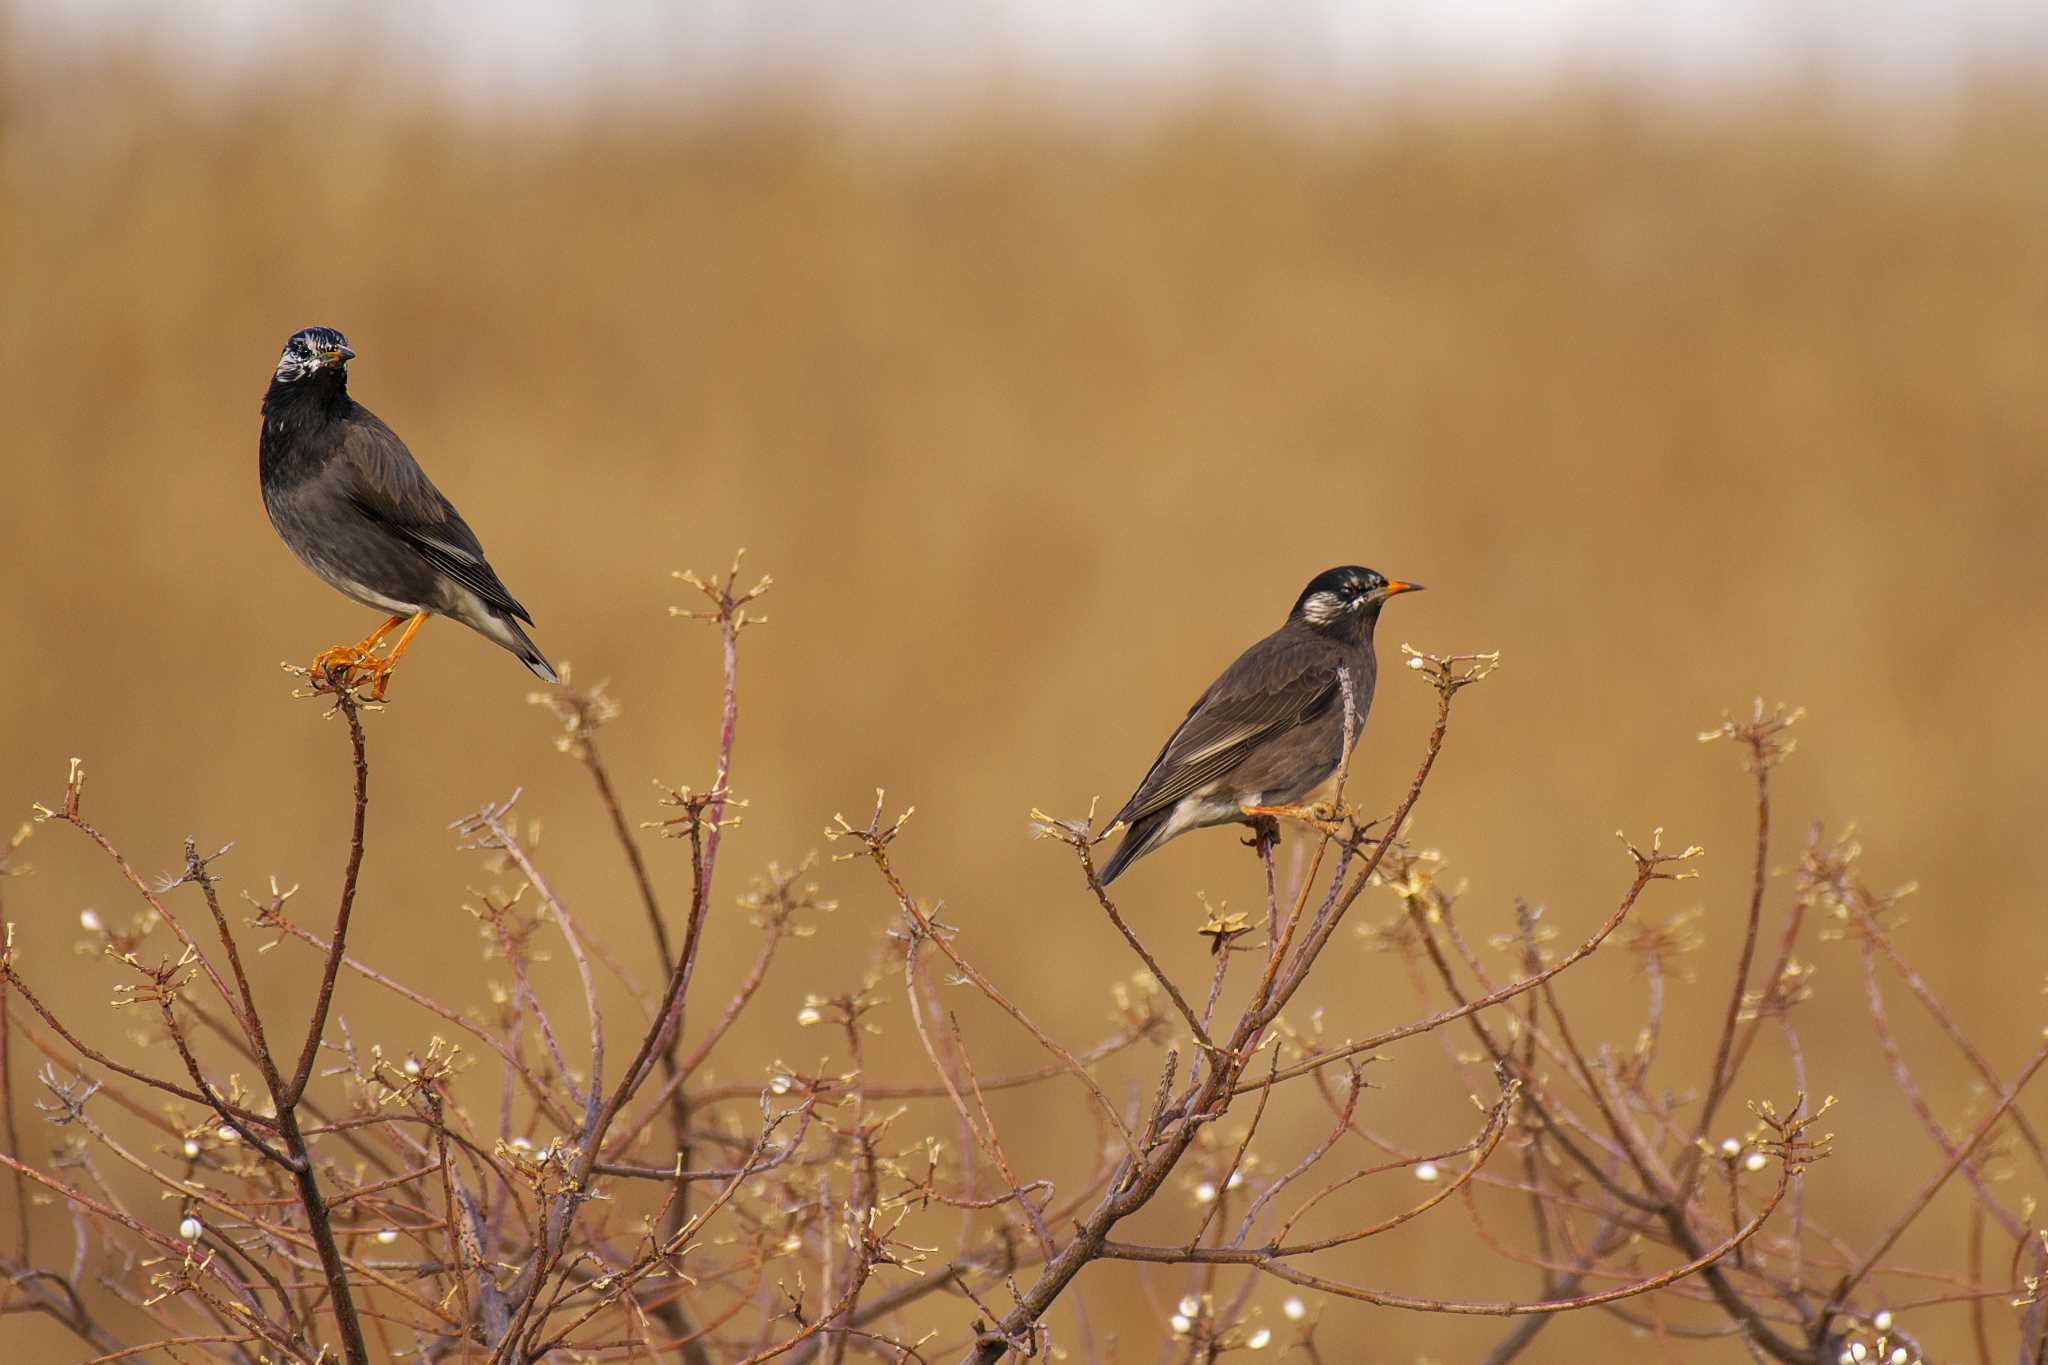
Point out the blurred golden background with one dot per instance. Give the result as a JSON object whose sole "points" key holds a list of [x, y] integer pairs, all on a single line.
{"points": [[1036, 423]]}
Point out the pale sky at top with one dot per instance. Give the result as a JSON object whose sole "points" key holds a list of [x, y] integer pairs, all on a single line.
{"points": [[525, 49]]}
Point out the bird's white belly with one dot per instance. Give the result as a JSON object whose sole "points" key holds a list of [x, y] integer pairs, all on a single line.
{"points": [[364, 594], [1205, 808]]}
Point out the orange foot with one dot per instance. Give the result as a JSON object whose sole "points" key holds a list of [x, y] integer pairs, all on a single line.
{"points": [[380, 669], [337, 667], [379, 677]]}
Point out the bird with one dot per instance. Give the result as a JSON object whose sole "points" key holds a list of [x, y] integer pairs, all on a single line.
{"points": [[349, 500], [1270, 729]]}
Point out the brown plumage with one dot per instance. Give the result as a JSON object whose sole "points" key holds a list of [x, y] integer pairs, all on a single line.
{"points": [[1270, 730]]}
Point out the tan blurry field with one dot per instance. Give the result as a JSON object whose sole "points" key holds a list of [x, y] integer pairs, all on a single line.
{"points": [[1036, 424]]}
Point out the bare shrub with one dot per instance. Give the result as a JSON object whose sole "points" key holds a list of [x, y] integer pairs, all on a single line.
{"points": [[351, 1202]]}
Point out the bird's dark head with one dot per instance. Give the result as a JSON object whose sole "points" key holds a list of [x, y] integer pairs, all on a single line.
{"points": [[1343, 601], [317, 350]]}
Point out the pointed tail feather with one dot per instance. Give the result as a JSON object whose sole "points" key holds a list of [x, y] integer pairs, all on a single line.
{"points": [[519, 644], [500, 627], [1144, 835]]}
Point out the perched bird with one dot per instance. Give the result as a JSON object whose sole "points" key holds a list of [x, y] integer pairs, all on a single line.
{"points": [[351, 502], [1271, 729]]}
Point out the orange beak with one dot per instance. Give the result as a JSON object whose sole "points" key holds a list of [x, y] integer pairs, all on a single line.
{"points": [[1395, 585]]}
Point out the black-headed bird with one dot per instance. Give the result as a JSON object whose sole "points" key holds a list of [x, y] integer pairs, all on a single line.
{"points": [[1270, 730], [355, 507]]}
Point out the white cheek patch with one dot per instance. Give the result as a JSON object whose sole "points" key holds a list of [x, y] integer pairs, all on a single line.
{"points": [[1323, 608]]}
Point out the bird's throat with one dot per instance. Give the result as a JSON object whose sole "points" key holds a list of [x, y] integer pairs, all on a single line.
{"points": [[293, 416]]}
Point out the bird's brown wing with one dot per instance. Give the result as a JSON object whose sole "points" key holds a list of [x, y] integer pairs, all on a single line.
{"points": [[384, 482], [1277, 684]]}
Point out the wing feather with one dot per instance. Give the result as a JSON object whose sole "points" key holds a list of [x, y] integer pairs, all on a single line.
{"points": [[388, 486], [1274, 686]]}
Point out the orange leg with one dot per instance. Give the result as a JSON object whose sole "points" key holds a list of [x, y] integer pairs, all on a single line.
{"points": [[1297, 812], [1320, 815], [371, 640], [345, 657], [381, 669]]}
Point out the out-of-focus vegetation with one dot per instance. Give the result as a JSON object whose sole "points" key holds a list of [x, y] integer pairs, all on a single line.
{"points": [[1036, 424]]}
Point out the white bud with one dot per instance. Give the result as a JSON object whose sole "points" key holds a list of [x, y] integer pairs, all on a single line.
{"points": [[1883, 1321], [808, 1015], [1205, 1193], [89, 920], [412, 1066], [1755, 1161], [521, 1144], [1260, 1340], [1427, 1172], [190, 1229], [388, 1236], [1899, 1356], [1415, 663], [1236, 1179], [1846, 1357], [1180, 1325], [792, 1243], [1190, 1306], [778, 1085], [1730, 1147], [1858, 1351], [1295, 1310], [224, 1133], [191, 1148]]}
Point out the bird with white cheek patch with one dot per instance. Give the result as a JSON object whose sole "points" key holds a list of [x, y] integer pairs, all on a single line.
{"points": [[350, 501], [1270, 730]]}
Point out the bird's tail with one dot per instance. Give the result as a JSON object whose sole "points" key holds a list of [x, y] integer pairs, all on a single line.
{"points": [[1145, 834], [513, 638]]}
